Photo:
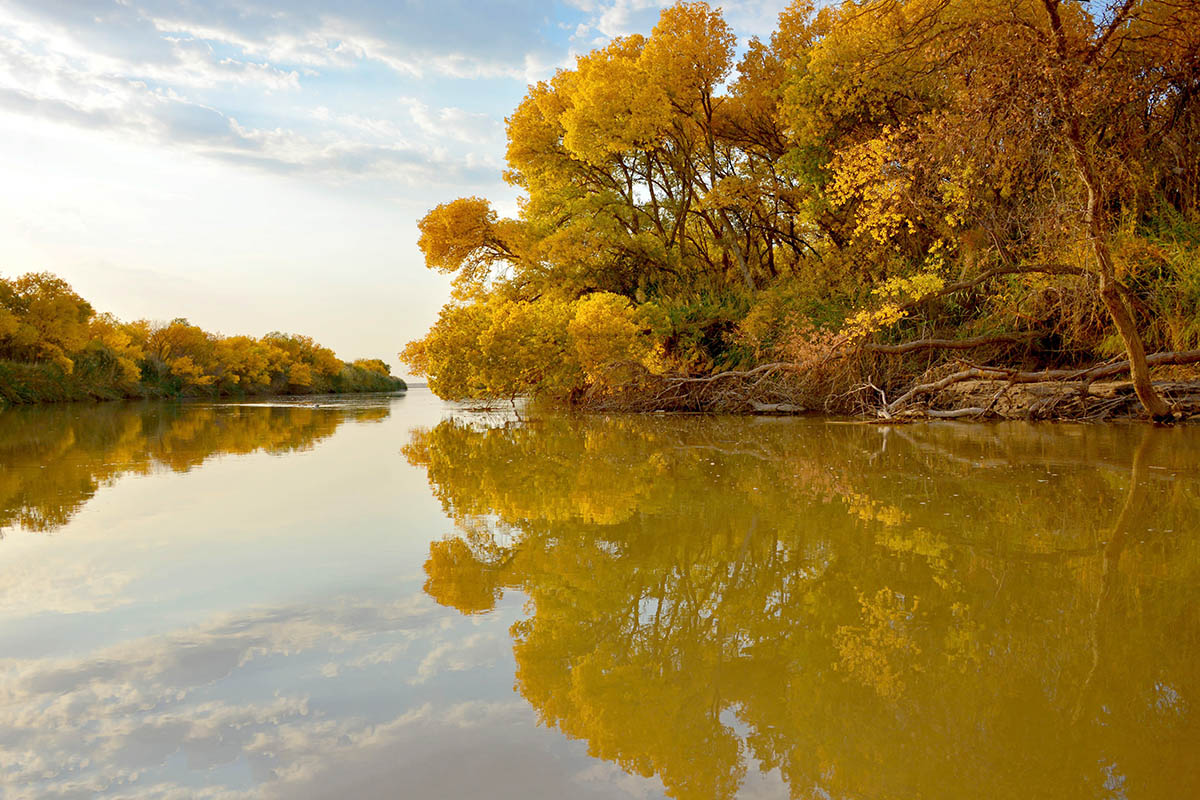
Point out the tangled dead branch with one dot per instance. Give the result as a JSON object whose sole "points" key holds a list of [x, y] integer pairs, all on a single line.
{"points": [[1011, 376], [792, 387], [826, 374]]}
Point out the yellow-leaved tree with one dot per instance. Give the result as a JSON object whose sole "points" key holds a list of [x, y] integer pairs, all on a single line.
{"points": [[878, 179]]}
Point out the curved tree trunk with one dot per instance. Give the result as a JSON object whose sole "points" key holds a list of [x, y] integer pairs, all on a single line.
{"points": [[1110, 292], [1139, 370], [1097, 229]]}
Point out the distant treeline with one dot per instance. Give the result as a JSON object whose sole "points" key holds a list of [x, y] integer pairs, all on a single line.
{"points": [[54, 347]]}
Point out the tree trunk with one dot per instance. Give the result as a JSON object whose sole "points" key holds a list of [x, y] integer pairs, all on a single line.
{"points": [[1139, 370], [1097, 229], [1110, 292], [736, 247]]}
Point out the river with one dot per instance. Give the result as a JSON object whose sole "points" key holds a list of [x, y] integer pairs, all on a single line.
{"points": [[397, 597]]}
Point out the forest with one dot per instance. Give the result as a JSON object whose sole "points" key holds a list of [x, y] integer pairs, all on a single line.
{"points": [[55, 347], [890, 207]]}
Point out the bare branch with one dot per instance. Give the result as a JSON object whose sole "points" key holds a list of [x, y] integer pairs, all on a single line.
{"points": [[1016, 376], [950, 344]]}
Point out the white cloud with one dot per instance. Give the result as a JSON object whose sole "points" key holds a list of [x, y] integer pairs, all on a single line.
{"points": [[98, 722], [53, 587], [167, 81], [158, 717], [458, 124], [609, 18], [475, 651]]}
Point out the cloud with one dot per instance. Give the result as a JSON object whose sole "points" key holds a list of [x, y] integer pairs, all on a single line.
{"points": [[458, 124], [253, 84], [473, 652], [161, 716], [53, 587], [207, 78], [89, 724], [605, 19], [610, 18], [413, 38], [166, 118]]}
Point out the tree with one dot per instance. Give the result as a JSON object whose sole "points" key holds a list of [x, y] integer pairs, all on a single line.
{"points": [[992, 106], [880, 178], [464, 237], [41, 318]]}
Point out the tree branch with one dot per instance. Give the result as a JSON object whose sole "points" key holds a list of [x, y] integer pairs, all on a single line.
{"points": [[984, 277], [1014, 376], [950, 344]]}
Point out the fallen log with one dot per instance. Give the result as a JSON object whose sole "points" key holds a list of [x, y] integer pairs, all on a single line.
{"points": [[1083, 377]]}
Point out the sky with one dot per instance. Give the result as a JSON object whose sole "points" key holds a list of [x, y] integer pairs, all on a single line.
{"points": [[260, 165]]}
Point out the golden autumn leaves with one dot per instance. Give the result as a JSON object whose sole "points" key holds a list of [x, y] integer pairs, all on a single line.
{"points": [[500, 348], [865, 146], [43, 321]]}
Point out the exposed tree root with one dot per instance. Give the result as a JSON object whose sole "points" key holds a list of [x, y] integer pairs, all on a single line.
{"points": [[1013, 376], [974, 392]]}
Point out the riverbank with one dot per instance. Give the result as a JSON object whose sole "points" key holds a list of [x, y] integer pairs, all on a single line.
{"points": [[33, 384], [1050, 400], [971, 394]]}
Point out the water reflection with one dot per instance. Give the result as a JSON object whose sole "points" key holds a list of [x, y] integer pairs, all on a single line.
{"points": [[255, 628], [929, 611], [53, 459]]}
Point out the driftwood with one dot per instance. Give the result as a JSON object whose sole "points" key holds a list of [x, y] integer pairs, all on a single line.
{"points": [[1016, 376], [793, 388], [819, 382], [776, 408], [763, 369]]}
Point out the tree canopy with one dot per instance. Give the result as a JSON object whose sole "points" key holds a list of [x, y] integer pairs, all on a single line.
{"points": [[875, 172]]}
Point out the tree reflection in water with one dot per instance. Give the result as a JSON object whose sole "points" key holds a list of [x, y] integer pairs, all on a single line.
{"points": [[53, 459], [927, 611]]}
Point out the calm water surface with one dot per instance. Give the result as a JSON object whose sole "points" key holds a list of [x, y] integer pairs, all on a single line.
{"points": [[392, 597]]}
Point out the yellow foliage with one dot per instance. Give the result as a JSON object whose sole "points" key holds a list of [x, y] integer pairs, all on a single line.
{"points": [[375, 365], [614, 105], [497, 348], [300, 374], [690, 52], [608, 336], [881, 651], [8, 323], [464, 237], [188, 371], [120, 341], [44, 319], [912, 288]]}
